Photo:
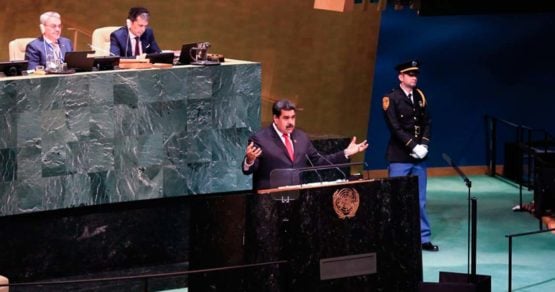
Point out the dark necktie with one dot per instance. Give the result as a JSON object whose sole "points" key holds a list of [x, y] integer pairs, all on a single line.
{"points": [[289, 147], [410, 97], [137, 50]]}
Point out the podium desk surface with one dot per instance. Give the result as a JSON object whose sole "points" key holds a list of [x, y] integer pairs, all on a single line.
{"points": [[227, 62], [312, 186]]}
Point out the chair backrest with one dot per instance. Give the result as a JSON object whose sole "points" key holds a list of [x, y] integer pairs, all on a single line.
{"points": [[101, 40], [17, 48]]}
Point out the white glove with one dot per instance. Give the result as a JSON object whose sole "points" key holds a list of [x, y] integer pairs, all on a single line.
{"points": [[414, 155], [420, 151]]}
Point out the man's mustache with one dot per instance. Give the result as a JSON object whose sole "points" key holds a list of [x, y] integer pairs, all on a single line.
{"points": [[289, 126]]}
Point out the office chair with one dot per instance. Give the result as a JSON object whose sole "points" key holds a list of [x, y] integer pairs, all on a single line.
{"points": [[101, 40], [17, 48]]}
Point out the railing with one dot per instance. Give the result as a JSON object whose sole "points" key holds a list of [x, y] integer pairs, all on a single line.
{"points": [[529, 141], [77, 30], [510, 239], [144, 278]]}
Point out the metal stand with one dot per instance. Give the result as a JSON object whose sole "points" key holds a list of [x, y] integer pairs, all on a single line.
{"points": [[471, 221]]}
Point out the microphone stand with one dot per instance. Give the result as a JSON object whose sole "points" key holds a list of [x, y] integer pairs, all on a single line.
{"points": [[315, 170], [472, 218]]}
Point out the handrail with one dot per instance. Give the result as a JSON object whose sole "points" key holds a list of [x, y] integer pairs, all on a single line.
{"points": [[515, 125], [524, 141], [76, 28], [510, 239], [76, 32], [144, 277], [524, 137]]}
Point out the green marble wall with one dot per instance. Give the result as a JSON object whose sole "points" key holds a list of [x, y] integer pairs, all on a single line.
{"points": [[118, 136]]}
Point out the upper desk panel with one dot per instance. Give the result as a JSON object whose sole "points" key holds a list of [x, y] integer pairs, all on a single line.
{"points": [[115, 136]]}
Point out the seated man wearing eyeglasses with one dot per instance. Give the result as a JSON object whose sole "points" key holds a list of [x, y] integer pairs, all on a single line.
{"points": [[49, 49]]}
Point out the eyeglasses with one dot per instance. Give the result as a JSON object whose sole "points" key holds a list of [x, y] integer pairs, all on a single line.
{"points": [[53, 26]]}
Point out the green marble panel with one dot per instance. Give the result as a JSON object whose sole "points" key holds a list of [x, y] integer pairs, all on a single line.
{"points": [[126, 88], [52, 93], [126, 118], [198, 145], [28, 95], [101, 90], [199, 81], [8, 134], [77, 95], [8, 97], [7, 165], [175, 181], [29, 162], [139, 183], [105, 137], [55, 160], [162, 117], [103, 186], [28, 196], [28, 128], [200, 114], [102, 122], [55, 129]]}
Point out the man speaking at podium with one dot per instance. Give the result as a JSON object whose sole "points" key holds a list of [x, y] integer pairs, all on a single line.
{"points": [[281, 146]]}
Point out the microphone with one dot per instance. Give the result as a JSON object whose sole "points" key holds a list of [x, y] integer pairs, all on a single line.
{"points": [[315, 170], [102, 50], [329, 162]]}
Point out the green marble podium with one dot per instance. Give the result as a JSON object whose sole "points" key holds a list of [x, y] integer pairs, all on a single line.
{"points": [[115, 136]]}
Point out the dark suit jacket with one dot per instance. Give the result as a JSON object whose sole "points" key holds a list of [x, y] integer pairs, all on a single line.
{"points": [[409, 124], [274, 155], [35, 51], [120, 44]]}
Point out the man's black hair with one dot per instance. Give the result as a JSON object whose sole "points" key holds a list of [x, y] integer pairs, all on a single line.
{"points": [[280, 105], [135, 12]]}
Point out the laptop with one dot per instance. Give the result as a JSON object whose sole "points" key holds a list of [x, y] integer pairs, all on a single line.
{"points": [[185, 57], [165, 58], [79, 61]]}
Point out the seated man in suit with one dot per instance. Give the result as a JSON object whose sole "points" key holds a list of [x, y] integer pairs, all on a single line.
{"points": [[282, 146], [136, 38], [51, 46]]}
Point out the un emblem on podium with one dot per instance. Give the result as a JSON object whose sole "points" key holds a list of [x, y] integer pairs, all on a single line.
{"points": [[346, 202]]}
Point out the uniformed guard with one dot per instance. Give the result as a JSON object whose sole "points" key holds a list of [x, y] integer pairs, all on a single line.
{"points": [[406, 115]]}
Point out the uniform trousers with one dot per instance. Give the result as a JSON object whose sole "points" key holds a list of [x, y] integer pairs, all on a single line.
{"points": [[416, 169]]}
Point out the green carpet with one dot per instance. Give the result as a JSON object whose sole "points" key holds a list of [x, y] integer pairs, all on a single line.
{"points": [[533, 256]]}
